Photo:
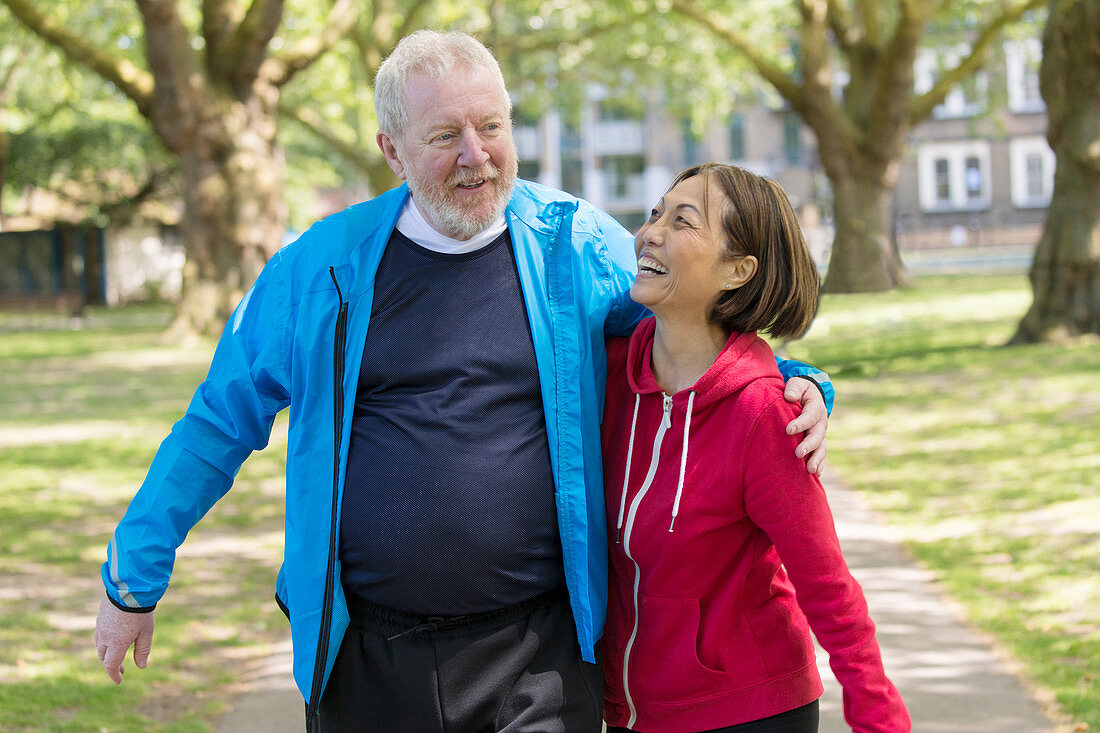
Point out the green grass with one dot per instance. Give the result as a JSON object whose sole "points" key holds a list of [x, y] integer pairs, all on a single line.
{"points": [[84, 410], [986, 456]]}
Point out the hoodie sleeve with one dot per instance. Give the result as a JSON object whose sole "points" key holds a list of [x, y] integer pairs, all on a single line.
{"points": [[230, 416], [790, 506]]}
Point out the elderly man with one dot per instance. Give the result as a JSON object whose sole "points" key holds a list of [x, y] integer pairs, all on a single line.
{"points": [[445, 558]]}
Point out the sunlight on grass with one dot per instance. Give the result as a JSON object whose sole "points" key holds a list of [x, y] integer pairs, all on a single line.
{"points": [[84, 411], [985, 457]]}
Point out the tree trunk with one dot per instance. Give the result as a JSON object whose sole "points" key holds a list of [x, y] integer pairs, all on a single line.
{"points": [[863, 258], [234, 212], [1065, 275]]}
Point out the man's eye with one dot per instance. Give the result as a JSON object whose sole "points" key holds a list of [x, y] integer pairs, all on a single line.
{"points": [[654, 215], [445, 137]]}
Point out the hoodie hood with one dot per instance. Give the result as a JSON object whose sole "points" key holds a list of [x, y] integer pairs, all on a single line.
{"points": [[745, 358]]}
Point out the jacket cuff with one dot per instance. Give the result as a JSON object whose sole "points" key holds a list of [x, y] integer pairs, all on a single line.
{"points": [[820, 388], [127, 609]]}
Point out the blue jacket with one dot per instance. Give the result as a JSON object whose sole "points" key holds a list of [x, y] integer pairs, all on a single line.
{"points": [[288, 344]]}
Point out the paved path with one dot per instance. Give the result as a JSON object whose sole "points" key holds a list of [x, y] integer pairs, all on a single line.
{"points": [[950, 678]]}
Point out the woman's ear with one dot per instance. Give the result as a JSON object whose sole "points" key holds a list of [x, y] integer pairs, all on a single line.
{"points": [[739, 271]]}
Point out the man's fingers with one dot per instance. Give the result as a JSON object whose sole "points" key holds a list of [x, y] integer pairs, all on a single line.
{"points": [[142, 647], [816, 461], [800, 423], [112, 662], [811, 440]]}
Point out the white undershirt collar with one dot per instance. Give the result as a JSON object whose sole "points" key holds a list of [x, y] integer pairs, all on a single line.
{"points": [[414, 226]]}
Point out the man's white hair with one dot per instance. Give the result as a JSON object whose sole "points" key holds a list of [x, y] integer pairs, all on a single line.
{"points": [[425, 52]]}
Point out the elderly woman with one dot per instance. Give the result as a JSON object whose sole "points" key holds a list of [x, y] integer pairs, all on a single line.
{"points": [[717, 524]]}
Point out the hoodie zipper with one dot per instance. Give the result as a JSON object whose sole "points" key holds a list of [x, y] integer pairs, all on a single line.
{"points": [[666, 423], [330, 573]]}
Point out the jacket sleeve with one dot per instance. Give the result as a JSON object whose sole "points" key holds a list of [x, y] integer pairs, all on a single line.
{"points": [[229, 416], [790, 369], [790, 506]]}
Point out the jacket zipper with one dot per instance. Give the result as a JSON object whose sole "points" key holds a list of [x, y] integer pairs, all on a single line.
{"points": [[330, 574], [666, 423]]}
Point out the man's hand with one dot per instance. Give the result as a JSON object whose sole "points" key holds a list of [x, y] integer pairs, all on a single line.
{"points": [[813, 421], [116, 631]]}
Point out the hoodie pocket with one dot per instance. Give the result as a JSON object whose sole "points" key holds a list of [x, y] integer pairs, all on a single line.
{"points": [[665, 662]]}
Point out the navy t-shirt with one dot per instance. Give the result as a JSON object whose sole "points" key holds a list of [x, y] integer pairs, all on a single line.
{"points": [[448, 504]]}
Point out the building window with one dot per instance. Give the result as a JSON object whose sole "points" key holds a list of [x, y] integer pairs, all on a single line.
{"points": [[1031, 167], [623, 177], [966, 99], [737, 138], [529, 170], [792, 138], [973, 179], [1022, 59], [943, 181], [954, 176]]}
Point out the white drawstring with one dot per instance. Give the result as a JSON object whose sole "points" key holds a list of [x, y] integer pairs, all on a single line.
{"points": [[626, 474], [683, 461]]}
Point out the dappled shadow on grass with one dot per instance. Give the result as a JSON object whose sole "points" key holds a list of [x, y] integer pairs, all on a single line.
{"points": [[985, 457], [947, 674], [84, 413]]}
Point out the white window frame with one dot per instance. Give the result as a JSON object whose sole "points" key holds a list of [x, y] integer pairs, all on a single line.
{"points": [[927, 68], [1019, 150], [1022, 59], [956, 155]]}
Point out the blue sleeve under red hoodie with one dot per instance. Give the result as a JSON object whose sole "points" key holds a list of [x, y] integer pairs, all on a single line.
{"points": [[713, 525]]}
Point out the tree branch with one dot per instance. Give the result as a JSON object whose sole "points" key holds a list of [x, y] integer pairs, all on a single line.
{"points": [[814, 44], [870, 22], [219, 18], [774, 75], [349, 149], [922, 106], [843, 27], [178, 96], [135, 83], [8, 82], [339, 22], [246, 48]]}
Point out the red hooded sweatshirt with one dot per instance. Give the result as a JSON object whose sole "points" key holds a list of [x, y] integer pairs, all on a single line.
{"points": [[703, 628]]}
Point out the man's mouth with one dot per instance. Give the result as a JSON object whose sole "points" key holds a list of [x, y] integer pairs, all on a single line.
{"points": [[648, 264]]}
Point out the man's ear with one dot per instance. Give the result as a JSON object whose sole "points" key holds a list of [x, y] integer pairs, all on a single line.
{"points": [[389, 150], [739, 271]]}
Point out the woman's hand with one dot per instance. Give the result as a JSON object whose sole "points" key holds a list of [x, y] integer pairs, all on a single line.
{"points": [[813, 421]]}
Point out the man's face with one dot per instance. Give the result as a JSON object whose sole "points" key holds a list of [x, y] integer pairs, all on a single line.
{"points": [[456, 151]]}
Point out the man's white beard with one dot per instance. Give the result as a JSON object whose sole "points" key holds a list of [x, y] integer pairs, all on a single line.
{"points": [[441, 209]]}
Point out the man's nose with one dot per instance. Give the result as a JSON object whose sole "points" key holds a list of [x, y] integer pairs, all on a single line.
{"points": [[471, 151]]}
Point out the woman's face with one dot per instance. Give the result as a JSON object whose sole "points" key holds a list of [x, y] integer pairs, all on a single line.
{"points": [[680, 269]]}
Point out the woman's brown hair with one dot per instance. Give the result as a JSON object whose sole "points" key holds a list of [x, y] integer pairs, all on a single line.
{"points": [[781, 298]]}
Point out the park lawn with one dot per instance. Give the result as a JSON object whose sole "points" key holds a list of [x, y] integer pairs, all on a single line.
{"points": [[83, 412], [984, 456], [987, 457]]}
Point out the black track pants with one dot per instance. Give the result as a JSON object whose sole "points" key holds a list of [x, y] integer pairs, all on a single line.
{"points": [[516, 670]]}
